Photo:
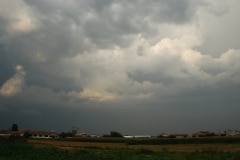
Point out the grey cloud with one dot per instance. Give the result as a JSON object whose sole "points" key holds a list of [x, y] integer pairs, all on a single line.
{"points": [[152, 77], [219, 40], [15, 84], [128, 64], [110, 21], [174, 11], [190, 113], [33, 116], [62, 34]]}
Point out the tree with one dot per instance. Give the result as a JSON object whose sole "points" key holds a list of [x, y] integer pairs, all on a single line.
{"points": [[14, 127], [115, 134], [74, 130]]}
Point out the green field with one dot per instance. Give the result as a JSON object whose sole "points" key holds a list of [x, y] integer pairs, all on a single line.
{"points": [[117, 149]]}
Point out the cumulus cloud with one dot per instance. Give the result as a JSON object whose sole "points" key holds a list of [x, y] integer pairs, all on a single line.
{"points": [[170, 66], [118, 50], [15, 84], [18, 16]]}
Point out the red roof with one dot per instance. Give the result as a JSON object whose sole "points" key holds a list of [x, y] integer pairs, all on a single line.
{"points": [[32, 132]]}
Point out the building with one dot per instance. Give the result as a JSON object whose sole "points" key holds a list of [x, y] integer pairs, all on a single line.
{"points": [[230, 132], [127, 136], [81, 134], [203, 134], [29, 133], [142, 136], [42, 134], [5, 133], [179, 135], [164, 135]]}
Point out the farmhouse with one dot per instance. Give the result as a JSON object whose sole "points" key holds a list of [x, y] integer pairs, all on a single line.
{"points": [[127, 136], [203, 134], [230, 132], [81, 134], [142, 136], [42, 134], [164, 135], [29, 133], [5, 133], [179, 135]]}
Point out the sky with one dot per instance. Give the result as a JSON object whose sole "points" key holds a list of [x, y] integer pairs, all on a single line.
{"points": [[136, 67]]}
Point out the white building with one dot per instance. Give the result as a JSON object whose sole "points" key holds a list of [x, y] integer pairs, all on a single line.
{"points": [[230, 132]]}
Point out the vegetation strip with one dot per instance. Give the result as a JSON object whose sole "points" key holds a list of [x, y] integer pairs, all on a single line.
{"points": [[16, 148]]}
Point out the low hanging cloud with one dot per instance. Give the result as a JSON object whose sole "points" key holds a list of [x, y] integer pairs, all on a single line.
{"points": [[15, 84]]}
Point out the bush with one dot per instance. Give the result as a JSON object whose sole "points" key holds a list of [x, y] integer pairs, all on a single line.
{"points": [[115, 134]]}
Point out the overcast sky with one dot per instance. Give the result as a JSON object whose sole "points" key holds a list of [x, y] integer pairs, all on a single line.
{"points": [[137, 67]]}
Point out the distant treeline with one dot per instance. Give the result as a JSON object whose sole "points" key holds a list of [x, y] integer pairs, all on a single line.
{"points": [[144, 141]]}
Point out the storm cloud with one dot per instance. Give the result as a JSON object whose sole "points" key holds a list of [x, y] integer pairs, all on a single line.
{"points": [[163, 65]]}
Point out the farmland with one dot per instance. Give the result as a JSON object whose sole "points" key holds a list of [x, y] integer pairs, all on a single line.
{"points": [[115, 149], [107, 144]]}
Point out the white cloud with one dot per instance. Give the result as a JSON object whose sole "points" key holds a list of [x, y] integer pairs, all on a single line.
{"points": [[219, 29], [19, 16], [15, 84], [169, 67], [94, 95]]}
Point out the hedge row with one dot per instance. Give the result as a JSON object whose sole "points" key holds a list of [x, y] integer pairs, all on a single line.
{"points": [[159, 141], [156, 141]]}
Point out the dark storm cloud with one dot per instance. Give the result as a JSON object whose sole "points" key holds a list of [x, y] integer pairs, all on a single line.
{"points": [[63, 30], [109, 64], [106, 23]]}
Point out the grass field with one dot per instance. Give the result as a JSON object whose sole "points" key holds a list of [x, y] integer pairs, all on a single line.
{"points": [[70, 145], [118, 149]]}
